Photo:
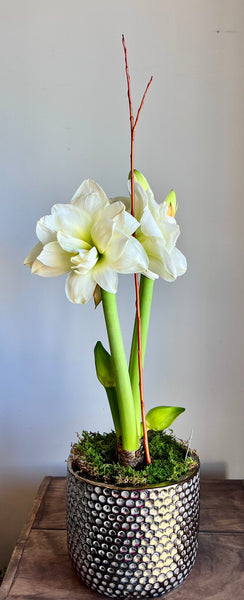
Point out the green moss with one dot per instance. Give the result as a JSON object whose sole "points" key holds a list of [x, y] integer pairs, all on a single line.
{"points": [[95, 457]]}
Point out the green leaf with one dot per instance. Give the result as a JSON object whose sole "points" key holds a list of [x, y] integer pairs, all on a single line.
{"points": [[161, 417], [104, 368]]}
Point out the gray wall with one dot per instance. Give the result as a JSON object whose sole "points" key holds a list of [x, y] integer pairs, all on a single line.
{"points": [[64, 117]]}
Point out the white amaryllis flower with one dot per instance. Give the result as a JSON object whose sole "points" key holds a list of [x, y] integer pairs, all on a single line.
{"points": [[90, 238], [158, 234], [158, 231]]}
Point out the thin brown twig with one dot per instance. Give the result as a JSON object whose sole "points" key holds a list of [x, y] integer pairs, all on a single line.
{"points": [[132, 136], [128, 83], [138, 315], [142, 102]]}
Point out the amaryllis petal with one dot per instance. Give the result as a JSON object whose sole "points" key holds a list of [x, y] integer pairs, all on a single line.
{"points": [[112, 211], [170, 232], [71, 244], [102, 232], [87, 187], [153, 205], [116, 247], [126, 223], [38, 268], [54, 256], [180, 261], [124, 220], [72, 220], [148, 224], [85, 260], [160, 261], [93, 203], [90, 197], [125, 200], [106, 277], [80, 288], [33, 254], [133, 259], [158, 233], [141, 200], [45, 229]]}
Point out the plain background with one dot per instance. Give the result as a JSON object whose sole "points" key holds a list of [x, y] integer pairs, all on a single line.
{"points": [[64, 117]]}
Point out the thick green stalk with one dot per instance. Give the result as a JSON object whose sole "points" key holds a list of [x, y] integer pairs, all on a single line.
{"points": [[113, 403], [146, 291], [127, 417]]}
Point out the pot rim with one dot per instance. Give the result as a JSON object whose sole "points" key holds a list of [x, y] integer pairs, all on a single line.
{"points": [[184, 478]]}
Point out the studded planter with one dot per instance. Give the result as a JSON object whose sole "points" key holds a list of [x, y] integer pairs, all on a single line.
{"points": [[132, 543]]}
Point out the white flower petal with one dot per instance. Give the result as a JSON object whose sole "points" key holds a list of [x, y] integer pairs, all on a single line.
{"points": [[148, 224], [126, 201], [93, 203], [90, 196], [158, 234], [54, 256], [45, 230], [85, 260], [38, 268], [79, 288], [124, 221], [180, 261], [112, 211], [71, 244], [160, 261], [102, 232], [106, 277], [141, 200], [116, 246], [170, 232], [33, 254], [154, 207], [133, 259], [73, 220]]}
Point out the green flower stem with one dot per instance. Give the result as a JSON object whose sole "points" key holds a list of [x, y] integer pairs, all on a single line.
{"points": [[128, 425], [113, 403], [146, 292]]}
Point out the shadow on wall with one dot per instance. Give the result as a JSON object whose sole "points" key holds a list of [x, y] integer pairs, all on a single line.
{"points": [[15, 503], [214, 470]]}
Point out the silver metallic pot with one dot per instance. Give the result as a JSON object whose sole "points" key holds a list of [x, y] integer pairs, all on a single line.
{"points": [[132, 543]]}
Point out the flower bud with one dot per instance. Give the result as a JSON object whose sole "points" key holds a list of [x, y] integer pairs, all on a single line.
{"points": [[171, 202], [140, 179]]}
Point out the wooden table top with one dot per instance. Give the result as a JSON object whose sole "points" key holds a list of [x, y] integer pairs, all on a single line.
{"points": [[40, 568]]}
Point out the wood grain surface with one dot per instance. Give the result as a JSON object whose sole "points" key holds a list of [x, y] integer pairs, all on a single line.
{"points": [[40, 568], [20, 546], [47, 516], [222, 506]]}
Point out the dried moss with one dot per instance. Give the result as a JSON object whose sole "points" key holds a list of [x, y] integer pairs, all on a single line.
{"points": [[95, 457]]}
